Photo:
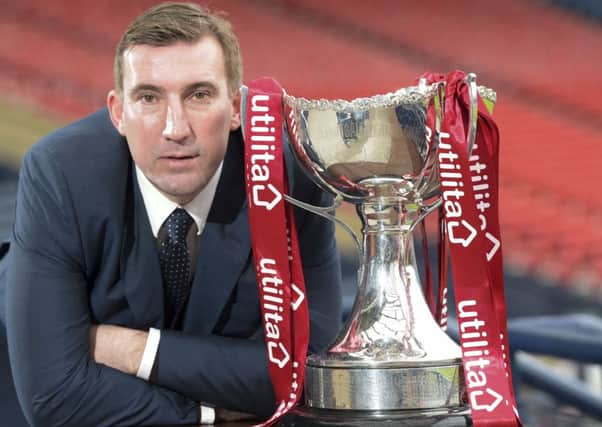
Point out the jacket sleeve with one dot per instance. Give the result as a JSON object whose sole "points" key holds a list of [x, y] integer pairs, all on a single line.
{"points": [[48, 320], [233, 373]]}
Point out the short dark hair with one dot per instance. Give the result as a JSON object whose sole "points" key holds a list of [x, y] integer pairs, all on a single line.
{"points": [[169, 23]]}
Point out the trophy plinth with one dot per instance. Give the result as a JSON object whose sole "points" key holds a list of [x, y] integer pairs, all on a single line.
{"points": [[378, 153], [311, 417]]}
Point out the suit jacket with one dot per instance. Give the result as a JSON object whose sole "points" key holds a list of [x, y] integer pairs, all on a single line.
{"points": [[82, 252]]}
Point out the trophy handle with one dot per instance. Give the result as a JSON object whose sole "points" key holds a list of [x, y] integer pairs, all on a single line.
{"points": [[244, 91], [325, 212], [322, 211], [471, 80], [426, 209]]}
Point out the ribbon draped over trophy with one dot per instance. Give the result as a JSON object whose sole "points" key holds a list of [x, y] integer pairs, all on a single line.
{"points": [[397, 157], [275, 246]]}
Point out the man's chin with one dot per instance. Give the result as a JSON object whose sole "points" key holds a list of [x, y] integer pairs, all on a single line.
{"points": [[182, 193]]}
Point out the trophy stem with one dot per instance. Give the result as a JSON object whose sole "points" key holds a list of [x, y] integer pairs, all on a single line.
{"points": [[391, 354]]}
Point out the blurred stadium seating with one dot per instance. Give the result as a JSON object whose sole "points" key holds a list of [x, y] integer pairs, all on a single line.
{"points": [[544, 62]]}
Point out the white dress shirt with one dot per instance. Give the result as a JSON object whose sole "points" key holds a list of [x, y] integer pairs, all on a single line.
{"points": [[158, 208]]}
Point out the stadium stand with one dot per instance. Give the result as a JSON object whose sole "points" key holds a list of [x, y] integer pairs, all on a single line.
{"points": [[543, 61]]}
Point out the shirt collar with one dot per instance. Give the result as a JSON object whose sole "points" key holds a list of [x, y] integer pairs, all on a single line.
{"points": [[158, 207]]}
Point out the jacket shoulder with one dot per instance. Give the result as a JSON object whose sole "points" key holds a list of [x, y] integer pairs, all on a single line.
{"points": [[89, 153], [87, 138]]}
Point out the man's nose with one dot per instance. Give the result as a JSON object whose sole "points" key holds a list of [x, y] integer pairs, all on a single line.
{"points": [[177, 127]]}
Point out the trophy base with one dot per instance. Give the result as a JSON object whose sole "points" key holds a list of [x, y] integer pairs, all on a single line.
{"points": [[311, 417], [397, 388]]}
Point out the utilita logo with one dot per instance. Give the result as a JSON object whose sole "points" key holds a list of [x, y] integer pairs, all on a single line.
{"points": [[263, 137], [476, 357], [480, 186], [272, 303], [459, 230]]}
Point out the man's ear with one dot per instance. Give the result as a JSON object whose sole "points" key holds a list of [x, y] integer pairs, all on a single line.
{"points": [[235, 121], [115, 106]]}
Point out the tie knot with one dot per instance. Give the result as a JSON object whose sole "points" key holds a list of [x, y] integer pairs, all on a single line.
{"points": [[177, 224]]}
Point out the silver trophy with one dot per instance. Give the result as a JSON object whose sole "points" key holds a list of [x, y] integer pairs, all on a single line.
{"points": [[379, 154]]}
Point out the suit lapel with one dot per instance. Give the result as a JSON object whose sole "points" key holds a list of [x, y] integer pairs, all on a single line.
{"points": [[224, 252], [141, 270], [224, 246]]}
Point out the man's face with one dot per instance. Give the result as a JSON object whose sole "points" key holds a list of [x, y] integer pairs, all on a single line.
{"points": [[176, 113]]}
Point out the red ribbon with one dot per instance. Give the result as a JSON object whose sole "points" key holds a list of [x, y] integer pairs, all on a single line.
{"points": [[471, 232], [275, 246]]}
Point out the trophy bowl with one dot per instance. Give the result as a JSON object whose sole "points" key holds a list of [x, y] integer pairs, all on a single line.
{"points": [[359, 148], [379, 153]]}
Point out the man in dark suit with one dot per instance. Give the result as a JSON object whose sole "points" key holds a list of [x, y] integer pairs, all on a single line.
{"points": [[96, 336]]}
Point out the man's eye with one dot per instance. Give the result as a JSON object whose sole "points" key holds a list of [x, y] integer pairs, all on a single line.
{"points": [[200, 95], [148, 98]]}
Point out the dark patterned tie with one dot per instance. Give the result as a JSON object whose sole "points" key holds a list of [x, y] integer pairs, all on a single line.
{"points": [[175, 263]]}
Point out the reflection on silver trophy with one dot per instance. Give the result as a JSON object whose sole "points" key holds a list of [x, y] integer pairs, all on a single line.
{"points": [[378, 154]]}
